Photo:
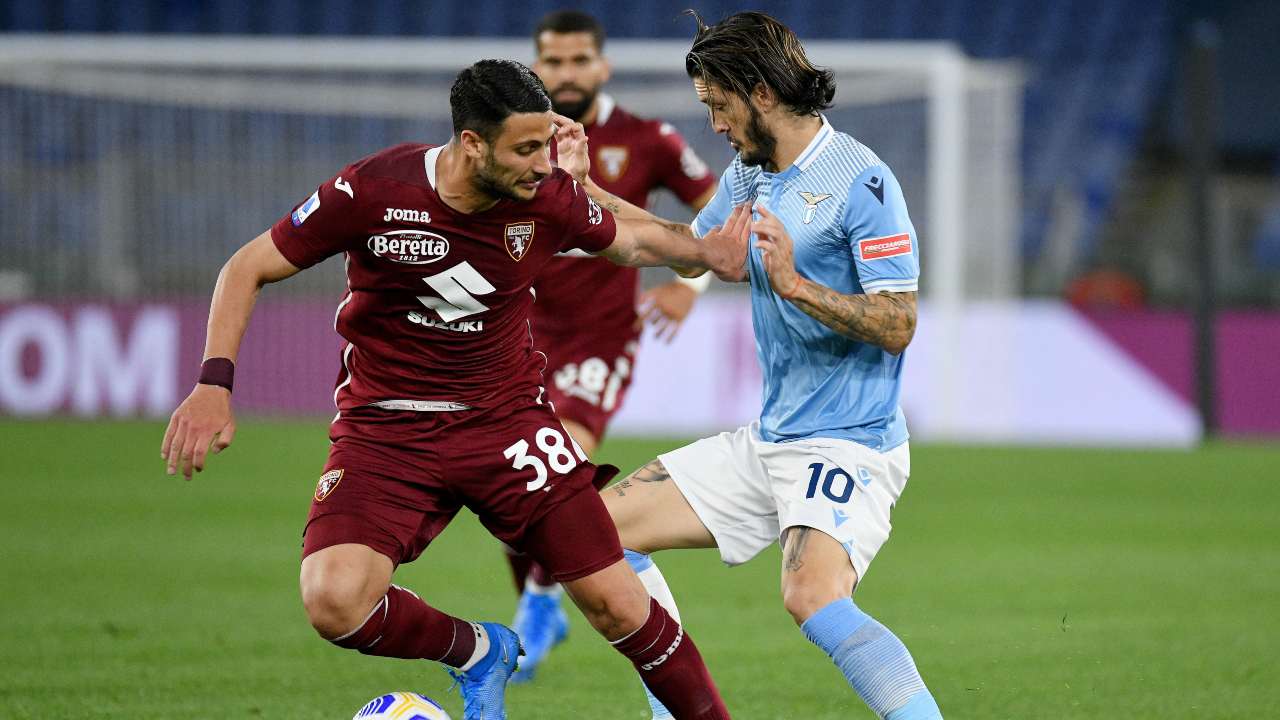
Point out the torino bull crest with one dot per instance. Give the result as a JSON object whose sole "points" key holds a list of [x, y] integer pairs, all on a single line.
{"points": [[519, 238]]}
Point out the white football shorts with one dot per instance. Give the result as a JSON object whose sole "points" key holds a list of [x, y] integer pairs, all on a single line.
{"points": [[747, 491]]}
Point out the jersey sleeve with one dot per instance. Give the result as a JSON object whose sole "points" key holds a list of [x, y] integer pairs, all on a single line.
{"points": [[325, 224], [679, 168], [587, 226], [718, 210], [882, 238]]}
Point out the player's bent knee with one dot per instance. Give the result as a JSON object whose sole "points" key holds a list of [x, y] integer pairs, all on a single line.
{"points": [[337, 594], [334, 610], [613, 607], [615, 615], [803, 596]]}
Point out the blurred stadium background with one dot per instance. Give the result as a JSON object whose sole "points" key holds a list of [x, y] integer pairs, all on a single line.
{"points": [[1097, 189]]}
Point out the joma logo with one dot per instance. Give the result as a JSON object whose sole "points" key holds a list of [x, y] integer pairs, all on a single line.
{"points": [[403, 215]]}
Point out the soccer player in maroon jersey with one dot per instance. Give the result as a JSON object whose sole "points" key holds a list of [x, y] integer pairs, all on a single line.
{"points": [[585, 314], [440, 398]]}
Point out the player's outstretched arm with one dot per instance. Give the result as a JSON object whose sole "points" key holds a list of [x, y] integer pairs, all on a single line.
{"points": [[573, 157], [205, 416], [666, 306], [884, 319], [723, 250]]}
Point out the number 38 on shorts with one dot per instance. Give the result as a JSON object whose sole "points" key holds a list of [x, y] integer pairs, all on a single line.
{"points": [[556, 451]]}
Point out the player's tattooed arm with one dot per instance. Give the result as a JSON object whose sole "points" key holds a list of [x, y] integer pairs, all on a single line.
{"points": [[645, 239], [624, 210], [722, 250], [884, 319], [574, 158]]}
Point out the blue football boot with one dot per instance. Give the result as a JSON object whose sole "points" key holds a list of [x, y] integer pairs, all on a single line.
{"points": [[484, 686], [541, 624]]}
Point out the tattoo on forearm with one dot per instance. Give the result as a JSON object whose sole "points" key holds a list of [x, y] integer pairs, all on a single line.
{"points": [[675, 227], [796, 539], [611, 203], [621, 488], [884, 319], [621, 208]]}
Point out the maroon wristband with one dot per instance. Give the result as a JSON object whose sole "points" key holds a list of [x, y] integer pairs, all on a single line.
{"points": [[217, 371]]}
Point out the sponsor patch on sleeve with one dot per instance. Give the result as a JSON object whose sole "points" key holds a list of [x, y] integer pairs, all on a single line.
{"points": [[884, 247], [305, 209]]}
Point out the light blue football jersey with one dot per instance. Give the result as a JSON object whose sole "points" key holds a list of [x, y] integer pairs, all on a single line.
{"points": [[846, 216]]}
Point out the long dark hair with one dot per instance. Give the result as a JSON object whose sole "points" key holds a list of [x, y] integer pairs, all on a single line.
{"points": [[749, 48]]}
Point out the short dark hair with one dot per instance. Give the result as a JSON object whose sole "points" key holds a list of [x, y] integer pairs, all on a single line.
{"points": [[486, 93], [749, 48], [569, 21]]}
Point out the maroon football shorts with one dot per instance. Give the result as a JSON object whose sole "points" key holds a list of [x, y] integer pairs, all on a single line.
{"points": [[588, 372], [395, 479]]}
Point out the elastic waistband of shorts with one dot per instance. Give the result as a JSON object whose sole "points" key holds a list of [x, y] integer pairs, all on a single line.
{"points": [[421, 405]]}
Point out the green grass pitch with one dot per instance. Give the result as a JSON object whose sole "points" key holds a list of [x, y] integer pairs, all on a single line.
{"points": [[1027, 584]]}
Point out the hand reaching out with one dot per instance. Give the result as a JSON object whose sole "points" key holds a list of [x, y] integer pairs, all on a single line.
{"points": [[665, 307], [572, 153], [726, 247], [777, 253]]}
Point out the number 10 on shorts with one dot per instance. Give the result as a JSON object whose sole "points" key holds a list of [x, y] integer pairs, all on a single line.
{"points": [[837, 484], [560, 457]]}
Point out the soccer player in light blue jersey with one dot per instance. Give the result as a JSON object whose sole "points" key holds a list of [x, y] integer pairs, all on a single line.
{"points": [[833, 267]]}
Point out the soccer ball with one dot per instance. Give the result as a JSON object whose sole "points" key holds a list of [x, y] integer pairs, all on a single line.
{"points": [[401, 706]]}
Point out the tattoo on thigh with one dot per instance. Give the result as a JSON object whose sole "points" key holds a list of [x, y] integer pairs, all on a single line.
{"points": [[652, 473], [795, 542]]}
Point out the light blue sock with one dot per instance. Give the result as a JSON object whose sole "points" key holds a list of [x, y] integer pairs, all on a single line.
{"points": [[873, 660], [640, 563]]}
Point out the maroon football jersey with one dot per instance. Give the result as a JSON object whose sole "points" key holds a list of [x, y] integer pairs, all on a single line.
{"points": [[437, 308], [630, 157]]}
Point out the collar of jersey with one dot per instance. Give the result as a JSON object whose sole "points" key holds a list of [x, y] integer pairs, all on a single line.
{"points": [[429, 161], [810, 152], [604, 109]]}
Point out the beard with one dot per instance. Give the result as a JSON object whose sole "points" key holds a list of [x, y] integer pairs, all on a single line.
{"points": [[761, 142], [576, 109], [489, 180]]}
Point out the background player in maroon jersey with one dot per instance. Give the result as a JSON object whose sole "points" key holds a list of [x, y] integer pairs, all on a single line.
{"points": [[439, 397], [586, 317]]}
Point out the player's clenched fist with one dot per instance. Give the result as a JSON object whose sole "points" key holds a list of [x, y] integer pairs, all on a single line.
{"points": [[777, 253], [203, 418]]}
